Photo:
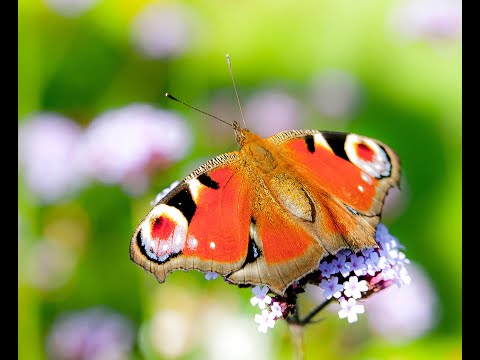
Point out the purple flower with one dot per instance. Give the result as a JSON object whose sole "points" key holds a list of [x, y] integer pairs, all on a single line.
{"points": [[163, 30], [261, 298], [336, 94], [350, 309], [366, 272], [340, 265], [354, 288], [125, 145], [211, 275], [276, 309], [326, 268], [265, 321], [357, 264], [50, 264], [331, 287], [272, 111], [373, 262], [362, 275], [433, 20], [49, 154], [94, 333]]}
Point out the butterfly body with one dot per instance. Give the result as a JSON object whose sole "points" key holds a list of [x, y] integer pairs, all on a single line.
{"points": [[271, 211]]}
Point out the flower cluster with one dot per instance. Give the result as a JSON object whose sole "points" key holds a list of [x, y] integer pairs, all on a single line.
{"points": [[123, 146], [435, 21], [163, 31], [346, 277], [93, 333]]}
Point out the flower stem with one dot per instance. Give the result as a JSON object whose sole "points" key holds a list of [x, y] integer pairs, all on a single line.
{"points": [[307, 319], [296, 333], [294, 319], [296, 326]]}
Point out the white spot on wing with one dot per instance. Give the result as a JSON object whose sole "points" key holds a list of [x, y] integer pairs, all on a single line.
{"points": [[360, 187], [192, 243], [366, 178], [212, 245]]}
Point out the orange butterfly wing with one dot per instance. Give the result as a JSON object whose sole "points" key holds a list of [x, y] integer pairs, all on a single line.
{"points": [[202, 224], [347, 177]]}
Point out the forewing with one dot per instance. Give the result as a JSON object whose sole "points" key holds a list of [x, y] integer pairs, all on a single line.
{"points": [[201, 224], [346, 177]]}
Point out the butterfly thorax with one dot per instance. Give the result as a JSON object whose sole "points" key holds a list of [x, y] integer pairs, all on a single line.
{"points": [[257, 151]]}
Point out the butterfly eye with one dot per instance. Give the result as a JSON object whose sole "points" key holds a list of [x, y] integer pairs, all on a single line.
{"points": [[164, 234], [162, 227], [365, 152], [368, 156]]}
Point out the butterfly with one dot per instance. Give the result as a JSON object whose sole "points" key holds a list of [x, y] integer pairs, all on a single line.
{"points": [[268, 213]]}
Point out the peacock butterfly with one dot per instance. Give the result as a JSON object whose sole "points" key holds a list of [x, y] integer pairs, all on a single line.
{"points": [[271, 211]]}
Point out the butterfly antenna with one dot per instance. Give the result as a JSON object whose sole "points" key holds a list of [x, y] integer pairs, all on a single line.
{"points": [[171, 97], [235, 87]]}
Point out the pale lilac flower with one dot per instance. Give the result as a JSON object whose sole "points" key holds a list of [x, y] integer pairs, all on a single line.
{"points": [[367, 272], [261, 298], [383, 263], [357, 264], [48, 154], [70, 8], [372, 261], [388, 273], [344, 252], [399, 314], [331, 287], [265, 321], [326, 268], [272, 111], [432, 20], [353, 287], [94, 333], [350, 309], [339, 264], [336, 94], [403, 276], [366, 253], [211, 275], [125, 145], [164, 192], [164, 30], [50, 265], [276, 310]]}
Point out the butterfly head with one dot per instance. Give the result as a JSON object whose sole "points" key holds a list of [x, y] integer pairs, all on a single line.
{"points": [[241, 134]]}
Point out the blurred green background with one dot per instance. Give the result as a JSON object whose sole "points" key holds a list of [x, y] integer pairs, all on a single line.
{"points": [[390, 70]]}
